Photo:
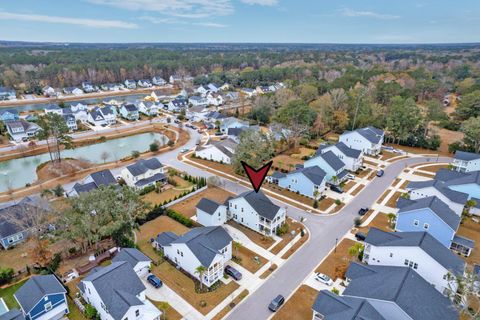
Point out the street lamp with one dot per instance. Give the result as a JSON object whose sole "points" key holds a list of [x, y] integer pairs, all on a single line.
{"points": [[336, 242]]}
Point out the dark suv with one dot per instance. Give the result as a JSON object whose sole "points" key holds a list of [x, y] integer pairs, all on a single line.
{"points": [[154, 281], [276, 303], [362, 211], [336, 189], [234, 273]]}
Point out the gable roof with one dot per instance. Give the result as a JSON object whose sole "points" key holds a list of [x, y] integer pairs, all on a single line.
{"points": [[35, 289], [142, 166], [423, 240], [332, 160], [130, 107], [165, 238], [370, 133], [117, 296], [131, 255], [438, 207], [260, 203], [207, 205], [104, 177], [401, 285], [466, 156], [442, 187], [315, 174]]}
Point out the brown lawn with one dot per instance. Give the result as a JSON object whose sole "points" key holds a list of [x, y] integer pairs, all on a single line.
{"points": [[349, 185], [290, 194], [357, 190], [247, 258], [299, 306], [287, 237], [269, 271], [159, 198], [339, 207], [383, 196], [404, 184], [434, 168], [370, 163], [412, 149], [424, 174], [396, 159], [286, 162], [388, 155], [303, 152], [325, 204], [214, 165], [259, 239], [392, 202], [296, 246], [336, 263], [152, 228], [187, 206], [471, 230], [185, 287], [380, 221], [363, 173], [231, 305], [365, 216], [169, 313]]}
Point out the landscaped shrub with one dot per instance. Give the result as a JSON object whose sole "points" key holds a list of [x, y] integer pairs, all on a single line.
{"points": [[180, 218], [90, 312], [283, 229], [6, 275], [357, 221], [147, 189], [315, 204], [338, 202]]}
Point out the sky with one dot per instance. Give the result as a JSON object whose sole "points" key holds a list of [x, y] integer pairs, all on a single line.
{"points": [[262, 21]]}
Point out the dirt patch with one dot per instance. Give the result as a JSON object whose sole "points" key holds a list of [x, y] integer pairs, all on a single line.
{"points": [[383, 196], [349, 185], [424, 174], [392, 202], [380, 221], [357, 190], [303, 152], [187, 206], [247, 258], [290, 194], [269, 271], [388, 155], [228, 169], [169, 313], [287, 237], [404, 184], [325, 203], [336, 263], [299, 306], [231, 305], [286, 162], [434, 168], [364, 173], [50, 170], [296, 246]]}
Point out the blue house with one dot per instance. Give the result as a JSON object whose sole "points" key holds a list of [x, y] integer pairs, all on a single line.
{"points": [[331, 164], [42, 297], [8, 115], [428, 214], [467, 183], [307, 181]]}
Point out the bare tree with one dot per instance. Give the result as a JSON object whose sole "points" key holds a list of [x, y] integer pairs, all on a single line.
{"points": [[104, 156]]}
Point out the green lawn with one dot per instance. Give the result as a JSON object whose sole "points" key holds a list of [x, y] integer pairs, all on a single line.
{"points": [[75, 313], [7, 294]]}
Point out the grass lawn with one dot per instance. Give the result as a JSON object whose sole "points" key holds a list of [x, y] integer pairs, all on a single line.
{"points": [[357, 190], [231, 305], [392, 202], [388, 155], [7, 294], [290, 194], [336, 263], [363, 173], [287, 237], [471, 230], [187, 206], [169, 313], [248, 259], [299, 306], [160, 198], [434, 168], [75, 313], [152, 228], [185, 287], [325, 204], [424, 174], [380, 221]]}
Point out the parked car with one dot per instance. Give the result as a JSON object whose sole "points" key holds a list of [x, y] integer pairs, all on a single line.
{"points": [[350, 176], [276, 303], [360, 236], [183, 150], [336, 189], [362, 211], [380, 173], [234, 273], [219, 133], [176, 121], [323, 278], [154, 281]]}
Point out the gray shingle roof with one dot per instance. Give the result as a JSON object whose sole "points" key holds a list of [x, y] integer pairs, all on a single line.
{"points": [[372, 134], [14, 218], [117, 285], [335, 307], [130, 107], [131, 255], [260, 203], [463, 241], [438, 207], [442, 187], [349, 152], [466, 156], [103, 178], [142, 166], [278, 175], [207, 205], [332, 160], [423, 240], [36, 288], [79, 188], [153, 179], [314, 174], [165, 238], [13, 314], [401, 285]]}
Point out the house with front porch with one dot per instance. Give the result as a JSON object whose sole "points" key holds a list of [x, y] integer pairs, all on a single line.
{"points": [[208, 247], [70, 122], [22, 130], [144, 173], [352, 158], [369, 140], [333, 167], [309, 181], [148, 108], [130, 84], [129, 112], [466, 161]]}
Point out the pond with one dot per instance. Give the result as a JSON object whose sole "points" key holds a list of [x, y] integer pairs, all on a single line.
{"points": [[16, 173]]}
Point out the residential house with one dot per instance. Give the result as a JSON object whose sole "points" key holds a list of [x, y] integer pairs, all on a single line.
{"points": [[213, 87], [196, 113], [369, 140], [139, 262], [42, 297], [73, 90], [264, 89], [235, 133], [129, 112], [22, 130], [202, 90], [331, 164], [384, 292], [70, 122], [109, 113], [7, 94], [197, 101], [79, 111], [174, 79], [147, 108], [466, 161], [214, 116], [144, 173], [88, 87], [16, 220], [53, 108], [214, 99], [257, 212], [96, 118], [176, 105], [130, 84], [144, 83], [275, 177], [352, 158], [112, 87], [467, 183], [232, 96], [48, 91], [210, 247], [220, 151], [309, 181], [117, 293], [248, 92], [12, 314], [158, 81], [9, 115], [211, 213], [231, 122], [418, 250], [93, 181]]}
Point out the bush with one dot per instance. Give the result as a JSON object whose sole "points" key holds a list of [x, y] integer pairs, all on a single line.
{"points": [[357, 221], [338, 202], [154, 147], [55, 263], [6, 275], [283, 229], [315, 204], [90, 312], [135, 154], [335, 291], [180, 218], [170, 143], [147, 189]]}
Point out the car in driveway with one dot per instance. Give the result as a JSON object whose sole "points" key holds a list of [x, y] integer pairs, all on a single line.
{"points": [[380, 173], [183, 150], [154, 281], [360, 236], [323, 278], [234, 273], [351, 176], [276, 303], [362, 211], [336, 189]]}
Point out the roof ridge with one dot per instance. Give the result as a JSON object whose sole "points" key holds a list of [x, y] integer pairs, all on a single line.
{"points": [[402, 283]]}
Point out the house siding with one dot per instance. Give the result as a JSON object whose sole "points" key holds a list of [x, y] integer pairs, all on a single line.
{"points": [[38, 311]]}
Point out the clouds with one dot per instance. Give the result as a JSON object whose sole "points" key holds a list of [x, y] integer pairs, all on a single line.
{"points": [[261, 2], [67, 20], [347, 12]]}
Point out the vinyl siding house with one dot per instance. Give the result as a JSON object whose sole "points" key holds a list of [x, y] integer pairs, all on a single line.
{"points": [[129, 112], [202, 90], [139, 262], [130, 84], [334, 167], [22, 130], [248, 92], [88, 87], [255, 211], [7, 94], [352, 158], [144, 173], [158, 81], [198, 101], [215, 99], [70, 122], [144, 83], [53, 108], [93, 181], [466, 161], [176, 105], [43, 298], [210, 247], [48, 91], [229, 123], [211, 213], [73, 90], [196, 113], [9, 115], [79, 111], [117, 293], [369, 140], [147, 108], [418, 250], [219, 151], [308, 181], [96, 118]]}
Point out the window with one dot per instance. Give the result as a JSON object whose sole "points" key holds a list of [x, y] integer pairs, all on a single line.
{"points": [[391, 254], [415, 223], [48, 306], [241, 209], [426, 226], [406, 262], [415, 266], [137, 313]]}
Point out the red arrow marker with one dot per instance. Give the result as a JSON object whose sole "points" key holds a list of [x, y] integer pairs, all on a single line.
{"points": [[256, 176]]}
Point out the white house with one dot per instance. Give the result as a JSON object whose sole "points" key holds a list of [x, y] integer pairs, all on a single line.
{"points": [[197, 113], [79, 111], [418, 250], [73, 90], [22, 130], [87, 86], [202, 90], [53, 108], [158, 81], [117, 293], [466, 161], [255, 211], [232, 122], [197, 101], [175, 79], [138, 261], [248, 92], [331, 164], [177, 104], [210, 247], [144, 83], [211, 213], [369, 140], [48, 91], [214, 99], [109, 113], [219, 151], [147, 108], [352, 158], [70, 122], [96, 118], [144, 173], [129, 112], [130, 84]]}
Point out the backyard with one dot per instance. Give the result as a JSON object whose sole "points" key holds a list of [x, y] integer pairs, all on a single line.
{"points": [[336, 263], [187, 207]]}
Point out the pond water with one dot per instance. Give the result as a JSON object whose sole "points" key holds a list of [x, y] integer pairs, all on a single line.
{"points": [[16, 173]]}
